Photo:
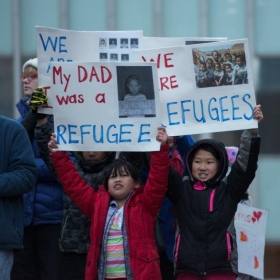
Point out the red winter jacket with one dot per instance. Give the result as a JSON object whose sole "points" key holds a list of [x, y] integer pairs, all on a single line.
{"points": [[140, 213], [176, 162]]}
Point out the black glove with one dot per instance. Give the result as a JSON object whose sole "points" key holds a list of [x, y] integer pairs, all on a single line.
{"points": [[38, 98], [29, 123]]}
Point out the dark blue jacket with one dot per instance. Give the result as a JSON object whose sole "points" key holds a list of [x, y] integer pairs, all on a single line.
{"points": [[44, 204], [17, 176]]}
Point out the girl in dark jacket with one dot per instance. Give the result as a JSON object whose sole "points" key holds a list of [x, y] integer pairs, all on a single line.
{"points": [[206, 203]]}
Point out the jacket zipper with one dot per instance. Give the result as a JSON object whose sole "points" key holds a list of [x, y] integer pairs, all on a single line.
{"points": [[229, 249], [177, 247], [211, 202]]}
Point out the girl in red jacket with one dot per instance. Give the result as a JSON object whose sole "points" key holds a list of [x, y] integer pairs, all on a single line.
{"points": [[122, 214]]}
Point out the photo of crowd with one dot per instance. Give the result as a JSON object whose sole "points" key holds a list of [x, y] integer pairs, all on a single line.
{"points": [[222, 66]]}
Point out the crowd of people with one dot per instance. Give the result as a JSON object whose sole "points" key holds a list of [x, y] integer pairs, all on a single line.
{"points": [[218, 70], [106, 215]]}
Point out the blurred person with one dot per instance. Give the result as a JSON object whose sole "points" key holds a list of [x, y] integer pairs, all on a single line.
{"points": [[40, 259], [18, 174]]}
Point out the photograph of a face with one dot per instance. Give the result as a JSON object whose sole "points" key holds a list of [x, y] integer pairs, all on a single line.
{"points": [[136, 91]]}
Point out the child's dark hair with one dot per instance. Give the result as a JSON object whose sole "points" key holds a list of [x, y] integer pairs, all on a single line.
{"points": [[117, 166], [207, 148], [228, 64], [132, 77], [217, 64], [209, 59], [241, 57], [219, 55]]}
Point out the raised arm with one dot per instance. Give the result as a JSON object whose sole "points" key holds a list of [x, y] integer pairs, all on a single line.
{"points": [[244, 168], [77, 189], [156, 185]]}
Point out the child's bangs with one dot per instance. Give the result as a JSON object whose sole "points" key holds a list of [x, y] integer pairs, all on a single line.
{"points": [[118, 167]]}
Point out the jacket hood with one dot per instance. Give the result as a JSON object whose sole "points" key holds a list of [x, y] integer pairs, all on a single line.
{"points": [[220, 149]]}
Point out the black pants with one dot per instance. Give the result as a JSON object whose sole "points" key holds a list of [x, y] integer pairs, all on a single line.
{"points": [[166, 267], [73, 266], [40, 259]]}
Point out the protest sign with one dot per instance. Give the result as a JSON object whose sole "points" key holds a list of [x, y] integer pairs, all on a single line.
{"points": [[59, 45], [250, 226], [195, 99], [101, 106]]}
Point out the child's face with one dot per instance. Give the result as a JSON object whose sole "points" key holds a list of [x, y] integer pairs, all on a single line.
{"points": [[120, 186], [215, 56], [209, 64], [239, 61], [228, 69], [94, 156], [204, 166], [202, 68], [218, 68], [228, 57], [134, 87]]}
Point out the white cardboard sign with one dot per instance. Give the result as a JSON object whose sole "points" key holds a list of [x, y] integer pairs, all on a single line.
{"points": [[59, 45], [89, 108], [188, 107], [250, 226]]}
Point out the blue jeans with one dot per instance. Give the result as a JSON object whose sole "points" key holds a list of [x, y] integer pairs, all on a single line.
{"points": [[6, 263]]}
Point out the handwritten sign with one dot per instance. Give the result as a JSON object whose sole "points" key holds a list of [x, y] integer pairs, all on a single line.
{"points": [[250, 225], [86, 112], [59, 45], [194, 99]]}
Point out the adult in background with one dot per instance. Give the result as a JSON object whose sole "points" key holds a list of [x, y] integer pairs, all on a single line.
{"points": [[17, 176], [40, 259]]}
